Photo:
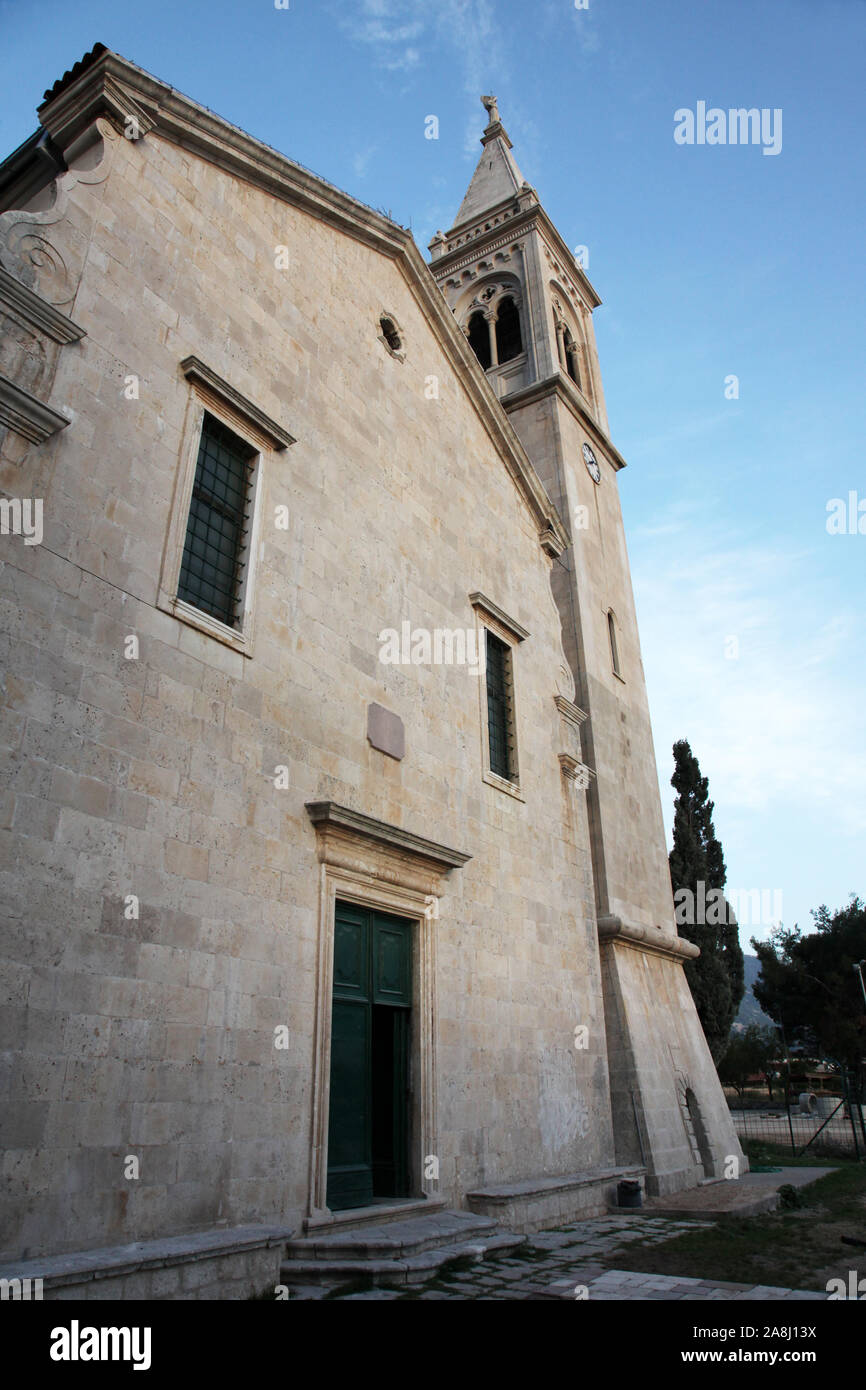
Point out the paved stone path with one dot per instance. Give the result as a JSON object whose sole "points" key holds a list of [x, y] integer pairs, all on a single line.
{"points": [[620, 1284], [562, 1263]]}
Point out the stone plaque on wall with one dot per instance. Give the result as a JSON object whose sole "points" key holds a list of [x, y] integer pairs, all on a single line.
{"points": [[385, 731]]}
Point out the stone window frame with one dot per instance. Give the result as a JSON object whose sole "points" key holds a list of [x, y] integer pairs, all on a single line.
{"points": [[489, 310], [567, 317], [210, 394], [398, 352], [490, 617], [569, 353], [613, 631]]}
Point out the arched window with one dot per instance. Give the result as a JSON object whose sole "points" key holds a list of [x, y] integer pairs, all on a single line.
{"points": [[509, 342], [614, 650], [479, 338], [570, 350]]}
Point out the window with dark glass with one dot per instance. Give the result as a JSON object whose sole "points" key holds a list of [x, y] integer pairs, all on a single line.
{"points": [[211, 570], [479, 338], [508, 340], [500, 708]]}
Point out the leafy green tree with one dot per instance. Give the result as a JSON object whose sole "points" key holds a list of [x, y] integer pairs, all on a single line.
{"points": [[697, 864], [748, 1054], [808, 983]]}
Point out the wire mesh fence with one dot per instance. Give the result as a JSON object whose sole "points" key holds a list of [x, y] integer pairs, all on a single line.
{"points": [[832, 1126]]}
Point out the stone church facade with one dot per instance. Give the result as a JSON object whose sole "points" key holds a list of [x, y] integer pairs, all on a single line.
{"points": [[334, 881]]}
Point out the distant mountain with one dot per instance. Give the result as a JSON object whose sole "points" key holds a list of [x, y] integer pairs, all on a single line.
{"points": [[750, 1011]]}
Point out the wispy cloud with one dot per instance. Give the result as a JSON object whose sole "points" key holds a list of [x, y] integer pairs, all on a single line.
{"points": [[389, 28], [772, 724], [688, 427], [555, 15], [396, 31], [472, 28], [402, 62], [586, 28], [361, 160]]}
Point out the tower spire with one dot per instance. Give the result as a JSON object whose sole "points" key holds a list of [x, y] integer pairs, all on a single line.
{"points": [[497, 176]]}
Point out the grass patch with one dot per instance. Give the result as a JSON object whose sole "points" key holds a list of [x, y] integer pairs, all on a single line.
{"points": [[793, 1248], [779, 1155]]}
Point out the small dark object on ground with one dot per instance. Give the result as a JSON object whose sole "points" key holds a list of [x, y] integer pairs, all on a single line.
{"points": [[789, 1197], [852, 1240], [629, 1194]]}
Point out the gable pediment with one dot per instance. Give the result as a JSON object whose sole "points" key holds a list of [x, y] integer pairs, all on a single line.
{"points": [[105, 85]]}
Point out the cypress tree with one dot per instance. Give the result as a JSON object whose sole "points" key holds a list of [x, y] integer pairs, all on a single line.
{"points": [[717, 977]]}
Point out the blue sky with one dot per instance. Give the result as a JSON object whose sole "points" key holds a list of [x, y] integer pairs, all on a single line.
{"points": [[712, 261]]}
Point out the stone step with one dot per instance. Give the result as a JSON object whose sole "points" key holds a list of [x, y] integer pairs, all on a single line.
{"points": [[396, 1209], [405, 1269], [536, 1204], [394, 1240]]}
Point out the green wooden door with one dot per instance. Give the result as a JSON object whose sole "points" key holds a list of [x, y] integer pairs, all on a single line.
{"points": [[368, 1118]]}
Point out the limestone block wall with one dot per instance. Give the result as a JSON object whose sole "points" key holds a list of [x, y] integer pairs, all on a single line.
{"points": [[633, 880], [658, 1054], [145, 1030], [668, 1107]]}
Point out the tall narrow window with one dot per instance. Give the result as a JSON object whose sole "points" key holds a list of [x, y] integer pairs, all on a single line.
{"points": [[614, 651], [500, 708], [211, 570], [508, 340], [479, 338]]}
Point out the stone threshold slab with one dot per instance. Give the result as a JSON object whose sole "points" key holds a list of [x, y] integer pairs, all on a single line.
{"points": [[393, 1238], [358, 1217]]}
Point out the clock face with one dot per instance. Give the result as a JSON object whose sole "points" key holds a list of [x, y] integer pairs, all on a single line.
{"points": [[591, 461]]}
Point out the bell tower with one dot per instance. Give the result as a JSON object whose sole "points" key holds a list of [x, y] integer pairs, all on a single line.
{"points": [[526, 305]]}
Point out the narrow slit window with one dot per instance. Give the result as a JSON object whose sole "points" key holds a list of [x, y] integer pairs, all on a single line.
{"points": [[500, 709], [211, 571], [614, 650]]}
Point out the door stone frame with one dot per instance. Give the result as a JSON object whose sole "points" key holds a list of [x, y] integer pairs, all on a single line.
{"points": [[376, 865]]}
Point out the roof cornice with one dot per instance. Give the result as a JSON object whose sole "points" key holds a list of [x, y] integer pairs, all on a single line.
{"points": [[562, 387], [113, 86], [36, 311]]}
